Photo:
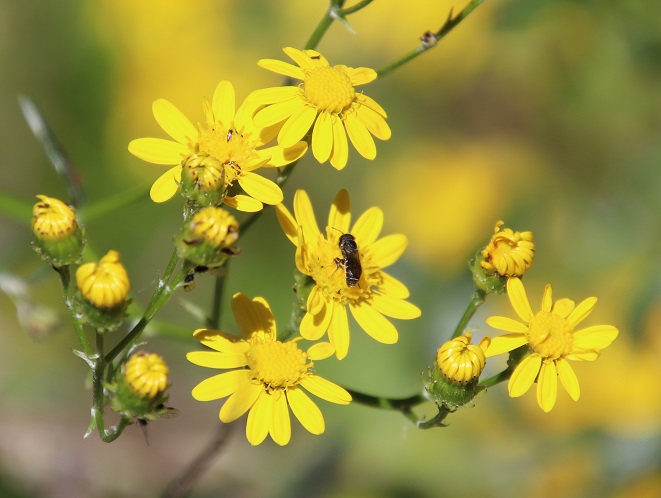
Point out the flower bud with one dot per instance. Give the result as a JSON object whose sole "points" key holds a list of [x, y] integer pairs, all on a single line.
{"points": [[203, 179], [508, 253], [207, 239], [139, 389], [58, 237], [103, 290], [452, 380]]}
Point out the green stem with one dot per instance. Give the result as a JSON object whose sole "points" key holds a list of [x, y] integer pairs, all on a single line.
{"points": [[403, 405], [479, 296], [355, 8], [163, 292], [213, 321], [497, 379], [65, 278], [430, 40], [321, 29]]}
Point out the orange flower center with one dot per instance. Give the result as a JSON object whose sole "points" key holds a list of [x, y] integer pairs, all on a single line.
{"points": [[551, 335]]}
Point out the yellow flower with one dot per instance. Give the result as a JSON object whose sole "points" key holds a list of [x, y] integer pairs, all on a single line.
{"points": [[460, 361], [106, 284], [318, 255], [325, 101], [146, 374], [508, 253], [266, 375], [227, 140], [552, 340]]}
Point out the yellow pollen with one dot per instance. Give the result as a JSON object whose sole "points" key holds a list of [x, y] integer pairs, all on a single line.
{"points": [[329, 89], [331, 277], [551, 335], [277, 365], [230, 148]]}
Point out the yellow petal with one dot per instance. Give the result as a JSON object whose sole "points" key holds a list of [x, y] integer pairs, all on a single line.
{"points": [[563, 307], [582, 311], [316, 301], [387, 250], [173, 122], [547, 386], [260, 188], [281, 157], [340, 154], [390, 285], [326, 390], [374, 323], [505, 343], [394, 307], [320, 351], [524, 375], [519, 299], [507, 324], [338, 330], [304, 409], [272, 95], [259, 419], [361, 75], [281, 426], [221, 341], [287, 223], [374, 122], [278, 113], [313, 327], [372, 104], [158, 150], [245, 316], [224, 103], [322, 137], [263, 312], [360, 137], [368, 227], [212, 359], [295, 128], [583, 355], [302, 58], [339, 216], [221, 385], [547, 299], [166, 185], [595, 337], [568, 378], [244, 203], [305, 215], [281, 67]]}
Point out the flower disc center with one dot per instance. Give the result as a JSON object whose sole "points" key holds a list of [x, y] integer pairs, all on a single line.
{"points": [[231, 149], [329, 89], [551, 335], [277, 364]]}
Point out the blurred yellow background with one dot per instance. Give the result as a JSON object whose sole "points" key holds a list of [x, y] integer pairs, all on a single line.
{"points": [[544, 114]]}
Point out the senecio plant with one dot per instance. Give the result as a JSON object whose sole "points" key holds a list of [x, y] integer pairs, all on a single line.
{"points": [[219, 169]]}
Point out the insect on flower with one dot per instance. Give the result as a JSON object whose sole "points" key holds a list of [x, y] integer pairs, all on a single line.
{"points": [[350, 259]]}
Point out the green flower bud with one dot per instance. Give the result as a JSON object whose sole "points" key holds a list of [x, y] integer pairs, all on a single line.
{"points": [[59, 239]]}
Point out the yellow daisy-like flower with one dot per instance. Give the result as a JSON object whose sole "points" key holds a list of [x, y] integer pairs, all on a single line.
{"points": [[509, 253], [266, 377], [369, 293], [551, 336], [227, 140], [326, 101]]}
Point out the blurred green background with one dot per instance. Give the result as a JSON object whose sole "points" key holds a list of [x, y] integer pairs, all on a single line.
{"points": [[546, 114]]}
